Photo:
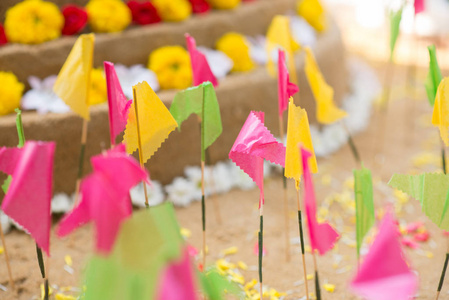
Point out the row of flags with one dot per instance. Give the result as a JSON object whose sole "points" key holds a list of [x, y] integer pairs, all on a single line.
{"points": [[126, 256]]}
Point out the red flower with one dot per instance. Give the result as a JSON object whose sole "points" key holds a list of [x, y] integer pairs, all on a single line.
{"points": [[144, 13], [3, 39], [199, 6], [75, 19]]}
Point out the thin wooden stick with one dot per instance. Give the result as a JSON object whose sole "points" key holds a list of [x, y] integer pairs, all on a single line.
{"points": [[301, 235], [147, 205], [203, 213], [260, 244], [317, 280], [11, 280], [286, 216], [352, 146], [213, 189], [81, 159]]}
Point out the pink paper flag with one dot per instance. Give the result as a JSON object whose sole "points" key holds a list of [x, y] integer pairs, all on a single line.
{"points": [[419, 6], [384, 274], [178, 281], [117, 102], [254, 144], [105, 197], [28, 200], [200, 67], [322, 235], [286, 89]]}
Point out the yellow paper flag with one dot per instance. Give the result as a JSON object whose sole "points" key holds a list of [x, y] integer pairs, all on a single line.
{"points": [[327, 112], [279, 35], [73, 82], [313, 12], [155, 122], [298, 134], [440, 115]]}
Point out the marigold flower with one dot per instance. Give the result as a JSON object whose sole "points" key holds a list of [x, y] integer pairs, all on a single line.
{"points": [[97, 92], [237, 48], [172, 67], [313, 12], [224, 4], [143, 13], [33, 22], [173, 10], [75, 18], [11, 91], [108, 15]]}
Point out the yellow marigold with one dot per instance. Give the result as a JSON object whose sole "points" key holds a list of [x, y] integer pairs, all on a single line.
{"points": [[11, 91], [97, 93], [173, 10], [33, 22], [313, 12], [224, 4], [108, 15], [236, 47], [172, 67]]}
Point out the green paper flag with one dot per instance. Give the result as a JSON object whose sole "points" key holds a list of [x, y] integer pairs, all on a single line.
{"points": [[215, 285], [434, 76], [431, 189], [146, 243], [200, 100], [395, 21], [364, 204]]}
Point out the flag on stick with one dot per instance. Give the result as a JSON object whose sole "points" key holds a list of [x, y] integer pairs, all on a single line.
{"points": [[200, 67], [440, 116], [286, 89]]}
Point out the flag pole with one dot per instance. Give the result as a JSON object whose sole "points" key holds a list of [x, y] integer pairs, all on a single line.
{"points": [[81, 159], [352, 146], [260, 244], [317, 280], [213, 191], [203, 213], [147, 205], [286, 217], [11, 280], [301, 236]]}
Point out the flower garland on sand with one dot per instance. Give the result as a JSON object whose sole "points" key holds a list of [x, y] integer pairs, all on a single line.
{"points": [[108, 15], [11, 91], [33, 22], [172, 67]]}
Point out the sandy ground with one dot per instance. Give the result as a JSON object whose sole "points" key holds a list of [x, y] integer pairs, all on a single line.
{"points": [[395, 149]]}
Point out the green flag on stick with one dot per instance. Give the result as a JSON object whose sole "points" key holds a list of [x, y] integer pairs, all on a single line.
{"points": [[431, 189], [364, 204], [395, 21], [434, 76], [200, 100], [215, 285]]}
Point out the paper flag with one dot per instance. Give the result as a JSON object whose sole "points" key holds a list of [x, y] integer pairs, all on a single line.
{"points": [[254, 144], [200, 100], [364, 204], [384, 274], [431, 189], [313, 12], [147, 242], [73, 82], [215, 285], [286, 89], [395, 21], [298, 133], [200, 67], [322, 236], [105, 197], [327, 112], [279, 35], [440, 116], [155, 122], [28, 199], [178, 282], [419, 6], [434, 76], [117, 102]]}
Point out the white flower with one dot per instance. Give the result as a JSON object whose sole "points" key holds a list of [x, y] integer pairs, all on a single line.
{"points": [[181, 191], [220, 64], [155, 194], [258, 50], [42, 98], [61, 203], [222, 178], [193, 174], [241, 179], [133, 75], [302, 32], [6, 222]]}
